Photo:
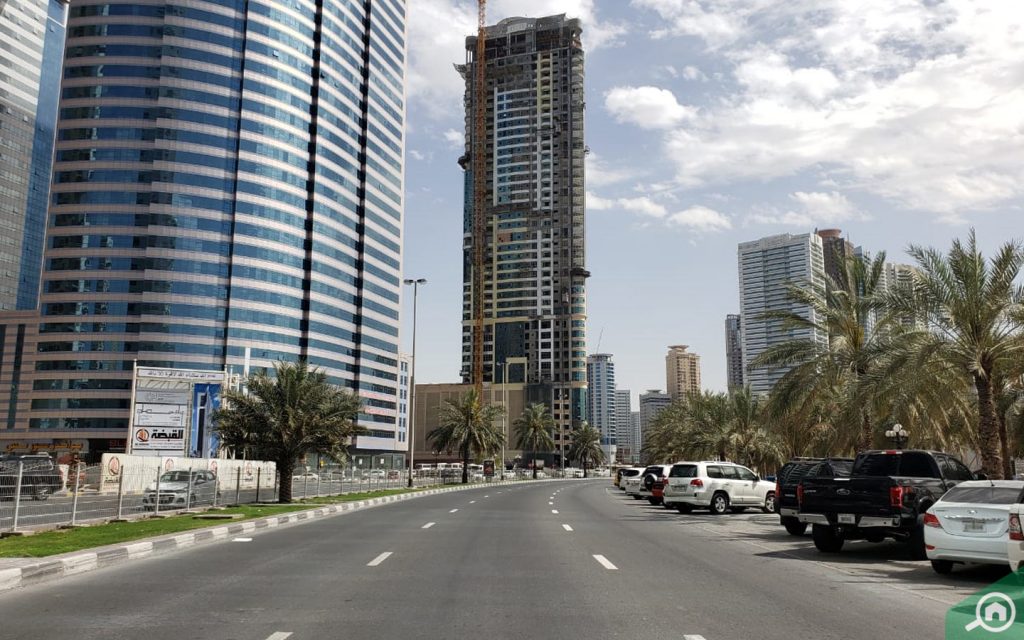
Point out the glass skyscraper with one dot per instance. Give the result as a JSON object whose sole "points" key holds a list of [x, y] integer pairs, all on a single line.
{"points": [[31, 52], [228, 192]]}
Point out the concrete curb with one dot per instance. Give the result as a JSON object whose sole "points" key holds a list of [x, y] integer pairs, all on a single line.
{"points": [[26, 572]]}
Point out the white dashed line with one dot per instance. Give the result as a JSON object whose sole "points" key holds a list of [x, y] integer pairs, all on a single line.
{"points": [[693, 637], [379, 559], [428, 525], [554, 511], [472, 502], [487, 496], [551, 504], [280, 635], [242, 540], [603, 561], [567, 527], [453, 511]]}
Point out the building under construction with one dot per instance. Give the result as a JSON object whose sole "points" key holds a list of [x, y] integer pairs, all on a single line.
{"points": [[524, 294]]}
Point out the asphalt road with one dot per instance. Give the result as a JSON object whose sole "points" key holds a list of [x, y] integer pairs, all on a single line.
{"points": [[563, 559]]}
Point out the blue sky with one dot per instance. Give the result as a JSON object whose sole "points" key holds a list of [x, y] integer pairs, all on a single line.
{"points": [[715, 122]]}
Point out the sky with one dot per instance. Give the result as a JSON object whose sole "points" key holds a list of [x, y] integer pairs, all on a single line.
{"points": [[714, 122]]}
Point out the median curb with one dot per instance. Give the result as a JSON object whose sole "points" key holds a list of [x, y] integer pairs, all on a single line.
{"points": [[26, 572]]}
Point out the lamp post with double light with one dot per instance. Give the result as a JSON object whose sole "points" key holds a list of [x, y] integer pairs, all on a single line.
{"points": [[412, 377], [898, 435]]}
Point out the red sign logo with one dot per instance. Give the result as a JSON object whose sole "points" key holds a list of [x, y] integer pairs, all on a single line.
{"points": [[114, 466]]}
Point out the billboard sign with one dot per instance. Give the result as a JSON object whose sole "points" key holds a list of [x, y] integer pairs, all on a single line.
{"points": [[172, 411], [161, 439], [204, 442]]}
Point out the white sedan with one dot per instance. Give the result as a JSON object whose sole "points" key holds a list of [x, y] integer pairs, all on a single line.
{"points": [[971, 524]]}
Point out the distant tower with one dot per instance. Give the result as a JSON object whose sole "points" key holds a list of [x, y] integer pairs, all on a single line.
{"points": [[734, 351], [652, 403], [682, 372], [601, 400], [625, 441], [766, 267]]}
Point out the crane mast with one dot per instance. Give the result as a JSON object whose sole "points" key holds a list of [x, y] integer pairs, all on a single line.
{"points": [[479, 164]]}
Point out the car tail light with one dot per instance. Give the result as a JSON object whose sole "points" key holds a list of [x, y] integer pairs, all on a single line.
{"points": [[896, 496], [931, 520], [696, 482], [1015, 530], [800, 494]]}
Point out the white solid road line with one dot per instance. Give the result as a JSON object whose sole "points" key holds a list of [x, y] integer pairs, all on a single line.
{"points": [[242, 540], [603, 561], [280, 635], [376, 561], [428, 525], [453, 511], [567, 527]]}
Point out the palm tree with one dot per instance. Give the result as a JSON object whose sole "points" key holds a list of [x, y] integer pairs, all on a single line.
{"points": [[286, 416], [851, 313], [973, 311], [533, 431], [468, 427], [586, 447]]}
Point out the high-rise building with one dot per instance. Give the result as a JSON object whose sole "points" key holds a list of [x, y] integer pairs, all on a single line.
{"points": [[404, 391], [634, 425], [766, 269], [534, 275], [734, 351], [33, 51], [896, 276], [601, 397], [682, 372], [625, 443], [228, 192], [652, 403], [835, 250]]}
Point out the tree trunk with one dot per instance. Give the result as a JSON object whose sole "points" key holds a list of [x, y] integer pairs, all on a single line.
{"points": [[988, 429], [866, 436], [286, 469], [1004, 445], [533, 454], [584, 467], [465, 464]]}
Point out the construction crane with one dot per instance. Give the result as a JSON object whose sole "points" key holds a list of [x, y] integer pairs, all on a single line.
{"points": [[479, 164]]}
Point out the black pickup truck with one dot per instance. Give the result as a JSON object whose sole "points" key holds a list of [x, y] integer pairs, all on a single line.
{"points": [[40, 476], [788, 479], [886, 496]]}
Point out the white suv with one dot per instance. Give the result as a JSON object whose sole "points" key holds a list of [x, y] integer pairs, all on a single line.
{"points": [[717, 486]]}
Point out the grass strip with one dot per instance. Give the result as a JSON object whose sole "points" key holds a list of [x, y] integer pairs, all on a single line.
{"points": [[51, 543]]}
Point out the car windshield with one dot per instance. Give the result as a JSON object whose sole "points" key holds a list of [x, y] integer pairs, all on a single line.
{"points": [[175, 476], [683, 471], [983, 495]]}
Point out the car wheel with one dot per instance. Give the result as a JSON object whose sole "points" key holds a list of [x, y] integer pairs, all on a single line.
{"points": [[769, 503], [827, 539], [719, 504], [942, 567], [793, 526], [652, 501], [667, 506], [684, 508], [638, 497]]}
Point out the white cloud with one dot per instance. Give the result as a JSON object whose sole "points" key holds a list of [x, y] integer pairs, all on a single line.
{"points": [[701, 219], [454, 138], [919, 103], [437, 31], [416, 155], [691, 72], [647, 107], [814, 208], [599, 174]]}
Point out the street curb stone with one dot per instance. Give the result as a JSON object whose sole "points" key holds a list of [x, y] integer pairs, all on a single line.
{"points": [[78, 562]]}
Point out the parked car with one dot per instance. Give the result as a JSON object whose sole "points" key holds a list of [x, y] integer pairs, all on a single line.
{"points": [[174, 490], [632, 483], [626, 474], [652, 482], [886, 496], [1015, 549], [789, 478], [971, 523], [40, 476], [718, 487]]}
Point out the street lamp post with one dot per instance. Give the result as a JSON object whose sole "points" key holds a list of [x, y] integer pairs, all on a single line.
{"points": [[412, 377], [898, 435]]}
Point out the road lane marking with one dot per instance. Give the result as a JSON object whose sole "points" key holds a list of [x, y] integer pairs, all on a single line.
{"points": [[551, 504], [554, 511], [453, 511], [567, 527], [280, 635], [472, 502], [487, 496], [428, 525], [379, 559], [693, 637], [242, 540], [603, 561]]}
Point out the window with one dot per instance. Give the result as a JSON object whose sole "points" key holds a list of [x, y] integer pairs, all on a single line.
{"points": [[983, 495], [730, 473], [917, 465], [746, 474], [715, 472]]}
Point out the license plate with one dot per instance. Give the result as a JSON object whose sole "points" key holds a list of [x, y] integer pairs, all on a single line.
{"points": [[974, 526], [847, 518]]}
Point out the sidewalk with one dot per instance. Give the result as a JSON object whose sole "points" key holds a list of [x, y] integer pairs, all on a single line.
{"points": [[24, 572]]}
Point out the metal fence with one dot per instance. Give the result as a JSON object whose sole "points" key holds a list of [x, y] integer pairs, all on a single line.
{"points": [[32, 498]]}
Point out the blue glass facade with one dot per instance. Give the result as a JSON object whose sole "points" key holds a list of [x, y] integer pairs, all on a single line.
{"points": [[228, 181]]}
